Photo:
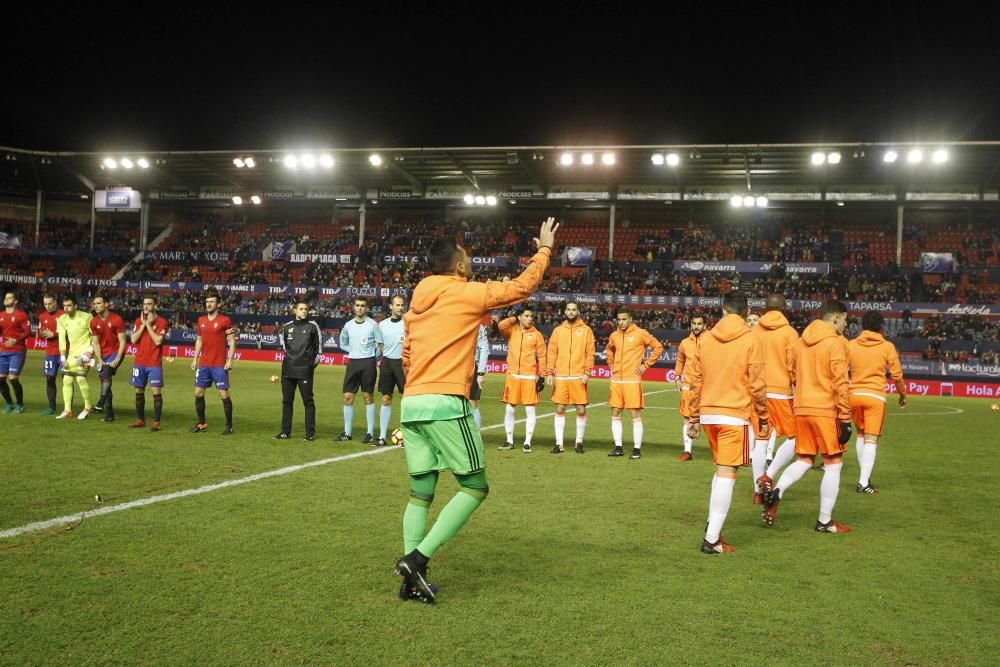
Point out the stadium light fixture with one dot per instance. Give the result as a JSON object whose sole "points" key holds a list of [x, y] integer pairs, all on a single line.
{"points": [[608, 159], [291, 162], [308, 161], [491, 200], [749, 201], [326, 161], [761, 202], [375, 159], [890, 156], [469, 200], [255, 200], [238, 161], [238, 200], [833, 158], [566, 159], [818, 158], [143, 163], [480, 200], [673, 159], [736, 201], [914, 156], [127, 163], [657, 159], [250, 163], [110, 163], [940, 156], [587, 159]]}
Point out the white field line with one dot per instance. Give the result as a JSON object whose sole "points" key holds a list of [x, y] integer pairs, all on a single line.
{"points": [[142, 502]]}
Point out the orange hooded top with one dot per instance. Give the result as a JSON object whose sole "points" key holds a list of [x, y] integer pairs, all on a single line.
{"points": [[442, 325], [525, 348], [686, 351], [821, 373], [727, 376], [778, 339], [571, 350], [626, 349], [870, 355]]}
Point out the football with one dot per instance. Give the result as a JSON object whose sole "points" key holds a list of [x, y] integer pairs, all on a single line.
{"points": [[396, 437]]}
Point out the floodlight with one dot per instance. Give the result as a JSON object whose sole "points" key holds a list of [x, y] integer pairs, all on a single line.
{"points": [[238, 200], [375, 159], [761, 202], [833, 158], [255, 200], [914, 156], [587, 158], [657, 159], [291, 161], [566, 159], [143, 163], [326, 161], [890, 156], [608, 159], [110, 163], [736, 201], [491, 200], [818, 158], [940, 156], [673, 159], [470, 200], [127, 163], [238, 161]]}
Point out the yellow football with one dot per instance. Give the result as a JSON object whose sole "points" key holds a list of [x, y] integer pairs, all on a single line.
{"points": [[274, 378]]}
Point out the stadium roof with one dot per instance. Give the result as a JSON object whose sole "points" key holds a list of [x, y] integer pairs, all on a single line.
{"points": [[972, 169]]}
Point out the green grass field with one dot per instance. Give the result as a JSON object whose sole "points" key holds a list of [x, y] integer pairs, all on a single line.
{"points": [[572, 559]]}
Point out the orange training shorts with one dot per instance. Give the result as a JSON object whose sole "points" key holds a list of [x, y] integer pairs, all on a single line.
{"points": [[817, 435], [730, 444], [782, 418], [569, 392], [517, 391], [869, 413], [626, 394]]}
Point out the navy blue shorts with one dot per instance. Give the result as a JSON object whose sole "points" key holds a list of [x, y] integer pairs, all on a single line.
{"points": [[209, 375], [50, 367], [143, 375]]}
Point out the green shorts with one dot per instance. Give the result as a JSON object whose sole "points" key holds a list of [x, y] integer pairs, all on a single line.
{"points": [[440, 434]]}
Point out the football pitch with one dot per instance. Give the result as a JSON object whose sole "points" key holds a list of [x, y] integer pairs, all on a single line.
{"points": [[573, 559]]}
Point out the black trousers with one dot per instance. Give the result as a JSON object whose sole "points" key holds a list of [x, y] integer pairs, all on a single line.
{"points": [[305, 386]]}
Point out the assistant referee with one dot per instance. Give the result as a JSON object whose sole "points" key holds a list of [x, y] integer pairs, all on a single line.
{"points": [[360, 339], [390, 375]]}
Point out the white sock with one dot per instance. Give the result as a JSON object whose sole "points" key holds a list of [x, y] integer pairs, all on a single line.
{"points": [[859, 445], [478, 419], [711, 491], [758, 462], [581, 426], [687, 440], [771, 440], [348, 419], [529, 429], [718, 506], [385, 414], [781, 458], [616, 431], [560, 423], [508, 422], [637, 433], [828, 490], [370, 417], [792, 474], [867, 459]]}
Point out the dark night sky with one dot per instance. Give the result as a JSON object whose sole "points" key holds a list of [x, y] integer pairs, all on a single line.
{"points": [[288, 76]]}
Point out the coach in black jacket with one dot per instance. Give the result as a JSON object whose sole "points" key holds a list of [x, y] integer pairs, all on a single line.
{"points": [[302, 343]]}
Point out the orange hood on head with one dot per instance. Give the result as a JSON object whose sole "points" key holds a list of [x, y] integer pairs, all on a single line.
{"points": [[870, 338], [772, 319], [729, 328], [818, 331]]}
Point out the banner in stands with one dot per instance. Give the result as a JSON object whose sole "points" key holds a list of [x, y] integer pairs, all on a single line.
{"points": [[418, 259], [394, 192], [117, 200], [699, 266], [947, 193], [577, 256], [218, 192], [172, 194], [333, 192], [648, 193], [182, 257], [318, 258], [519, 192], [545, 297], [10, 241], [860, 193], [579, 192], [937, 262], [452, 192], [279, 252], [795, 193]]}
